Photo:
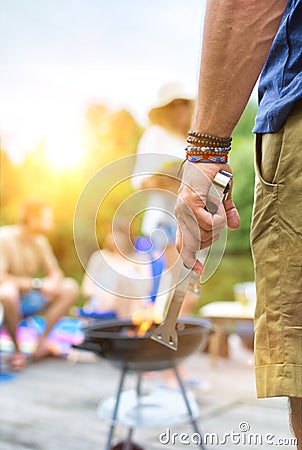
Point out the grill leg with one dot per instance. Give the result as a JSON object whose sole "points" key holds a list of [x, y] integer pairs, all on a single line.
{"points": [[185, 397], [128, 444], [115, 411]]}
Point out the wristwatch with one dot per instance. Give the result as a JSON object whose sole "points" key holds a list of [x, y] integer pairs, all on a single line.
{"points": [[36, 283]]}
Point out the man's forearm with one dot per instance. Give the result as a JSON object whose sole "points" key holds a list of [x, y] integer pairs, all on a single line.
{"points": [[22, 283], [236, 41]]}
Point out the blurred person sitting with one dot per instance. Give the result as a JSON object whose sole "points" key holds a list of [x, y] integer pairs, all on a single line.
{"points": [[118, 279], [31, 280]]}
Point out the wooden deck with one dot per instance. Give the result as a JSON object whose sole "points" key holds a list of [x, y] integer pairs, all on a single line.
{"points": [[52, 405]]}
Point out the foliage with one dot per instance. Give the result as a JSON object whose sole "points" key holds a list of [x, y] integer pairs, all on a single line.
{"points": [[233, 269], [109, 135], [236, 265], [242, 163]]}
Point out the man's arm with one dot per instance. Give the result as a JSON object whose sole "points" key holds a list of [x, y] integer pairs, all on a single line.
{"points": [[22, 283], [237, 37]]}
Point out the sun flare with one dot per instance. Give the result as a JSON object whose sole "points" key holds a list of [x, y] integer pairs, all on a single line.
{"points": [[63, 148]]}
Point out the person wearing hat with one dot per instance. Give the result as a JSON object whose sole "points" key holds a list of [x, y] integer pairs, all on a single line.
{"points": [[159, 157]]}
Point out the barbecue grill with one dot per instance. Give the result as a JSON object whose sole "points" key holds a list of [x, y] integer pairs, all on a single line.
{"points": [[116, 341]]}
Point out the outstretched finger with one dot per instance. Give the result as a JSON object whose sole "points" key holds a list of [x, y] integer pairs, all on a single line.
{"points": [[186, 252]]}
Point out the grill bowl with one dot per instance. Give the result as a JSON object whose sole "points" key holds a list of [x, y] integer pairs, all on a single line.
{"points": [[110, 339]]}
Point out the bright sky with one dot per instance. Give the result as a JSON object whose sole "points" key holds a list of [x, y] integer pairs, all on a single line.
{"points": [[59, 56]]}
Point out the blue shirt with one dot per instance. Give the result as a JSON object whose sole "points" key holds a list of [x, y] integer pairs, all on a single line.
{"points": [[280, 84]]}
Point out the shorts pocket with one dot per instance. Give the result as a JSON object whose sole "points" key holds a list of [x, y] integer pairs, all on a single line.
{"points": [[267, 159]]}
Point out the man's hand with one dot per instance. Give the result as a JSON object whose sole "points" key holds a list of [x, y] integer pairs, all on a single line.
{"points": [[51, 285], [237, 37], [198, 228]]}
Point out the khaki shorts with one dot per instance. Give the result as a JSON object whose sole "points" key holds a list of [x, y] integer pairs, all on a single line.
{"points": [[276, 238]]}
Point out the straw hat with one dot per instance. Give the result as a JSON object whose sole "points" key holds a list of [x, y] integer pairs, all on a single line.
{"points": [[167, 94]]}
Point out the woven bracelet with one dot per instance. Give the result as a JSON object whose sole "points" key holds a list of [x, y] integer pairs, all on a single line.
{"points": [[207, 159], [213, 150]]}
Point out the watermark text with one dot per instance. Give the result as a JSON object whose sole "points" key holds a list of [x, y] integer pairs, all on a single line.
{"points": [[242, 436]]}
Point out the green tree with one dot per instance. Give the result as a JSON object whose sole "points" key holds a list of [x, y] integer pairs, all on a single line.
{"points": [[242, 162], [236, 265]]}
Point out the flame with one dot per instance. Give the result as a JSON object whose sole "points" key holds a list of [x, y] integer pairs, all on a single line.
{"points": [[144, 319]]}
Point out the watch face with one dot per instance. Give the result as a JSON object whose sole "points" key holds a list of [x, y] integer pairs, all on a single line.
{"points": [[36, 283]]}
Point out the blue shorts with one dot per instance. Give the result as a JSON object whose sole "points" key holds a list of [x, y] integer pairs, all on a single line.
{"points": [[32, 303]]}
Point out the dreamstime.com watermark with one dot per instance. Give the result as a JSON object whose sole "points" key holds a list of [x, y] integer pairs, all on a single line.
{"points": [[242, 436]]}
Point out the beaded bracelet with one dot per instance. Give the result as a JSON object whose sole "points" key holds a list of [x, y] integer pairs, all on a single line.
{"points": [[196, 134], [207, 142], [206, 148]]}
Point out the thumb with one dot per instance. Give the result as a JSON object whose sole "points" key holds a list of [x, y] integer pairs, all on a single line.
{"points": [[233, 219]]}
